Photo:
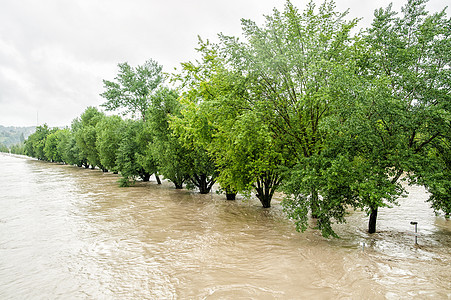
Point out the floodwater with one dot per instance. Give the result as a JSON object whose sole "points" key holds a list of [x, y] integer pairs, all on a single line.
{"points": [[71, 233]]}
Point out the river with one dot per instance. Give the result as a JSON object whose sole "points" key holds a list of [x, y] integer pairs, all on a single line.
{"points": [[72, 233]]}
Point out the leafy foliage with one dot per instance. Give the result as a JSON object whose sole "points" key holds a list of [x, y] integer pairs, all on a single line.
{"points": [[403, 101], [109, 133], [34, 145], [86, 136], [126, 160], [51, 146], [172, 157], [133, 88]]}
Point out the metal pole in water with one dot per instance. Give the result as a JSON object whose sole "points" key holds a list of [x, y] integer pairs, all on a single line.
{"points": [[416, 230]]}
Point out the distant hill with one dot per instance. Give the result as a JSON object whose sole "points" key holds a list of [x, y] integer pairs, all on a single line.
{"points": [[13, 135]]}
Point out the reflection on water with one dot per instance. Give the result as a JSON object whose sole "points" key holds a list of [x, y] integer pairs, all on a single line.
{"points": [[73, 233]]}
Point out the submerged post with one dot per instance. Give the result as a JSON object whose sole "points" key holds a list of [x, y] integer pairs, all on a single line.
{"points": [[416, 230]]}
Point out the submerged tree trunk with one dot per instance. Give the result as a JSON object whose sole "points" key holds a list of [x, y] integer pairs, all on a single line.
{"points": [[230, 196], [265, 199], [178, 181], [203, 183], [373, 209], [265, 186], [372, 222], [157, 178], [145, 176]]}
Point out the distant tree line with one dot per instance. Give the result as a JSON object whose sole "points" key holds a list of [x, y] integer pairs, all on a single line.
{"points": [[14, 135], [18, 148], [303, 105]]}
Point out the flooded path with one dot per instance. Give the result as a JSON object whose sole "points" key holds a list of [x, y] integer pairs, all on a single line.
{"points": [[71, 233]]}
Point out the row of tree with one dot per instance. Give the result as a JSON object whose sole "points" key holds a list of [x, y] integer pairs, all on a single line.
{"points": [[3, 148], [332, 118]]}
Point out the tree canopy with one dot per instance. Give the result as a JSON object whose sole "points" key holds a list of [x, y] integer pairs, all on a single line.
{"points": [[133, 87]]}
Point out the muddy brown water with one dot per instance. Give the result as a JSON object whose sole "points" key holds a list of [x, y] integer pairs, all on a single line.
{"points": [[71, 233]]}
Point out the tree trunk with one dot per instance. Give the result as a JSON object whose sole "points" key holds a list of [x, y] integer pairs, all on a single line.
{"points": [[230, 196], [178, 181], [203, 183], [265, 198], [145, 177], [372, 222], [265, 186], [157, 178]]}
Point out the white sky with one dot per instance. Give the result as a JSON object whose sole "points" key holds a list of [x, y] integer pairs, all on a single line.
{"points": [[55, 53]]}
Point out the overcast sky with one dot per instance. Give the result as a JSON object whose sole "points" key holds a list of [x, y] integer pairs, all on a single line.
{"points": [[55, 53]]}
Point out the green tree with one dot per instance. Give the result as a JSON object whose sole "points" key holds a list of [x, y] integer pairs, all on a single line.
{"points": [[126, 160], [144, 156], [220, 119], [295, 68], [63, 140], [194, 126], [109, 133], [34, 145], [403, 99], [51, 146], [18, 148], [133, 87], [4, 149], [172, 157], [72, 153], [248, 157], [129, 153], [86, 136]]}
